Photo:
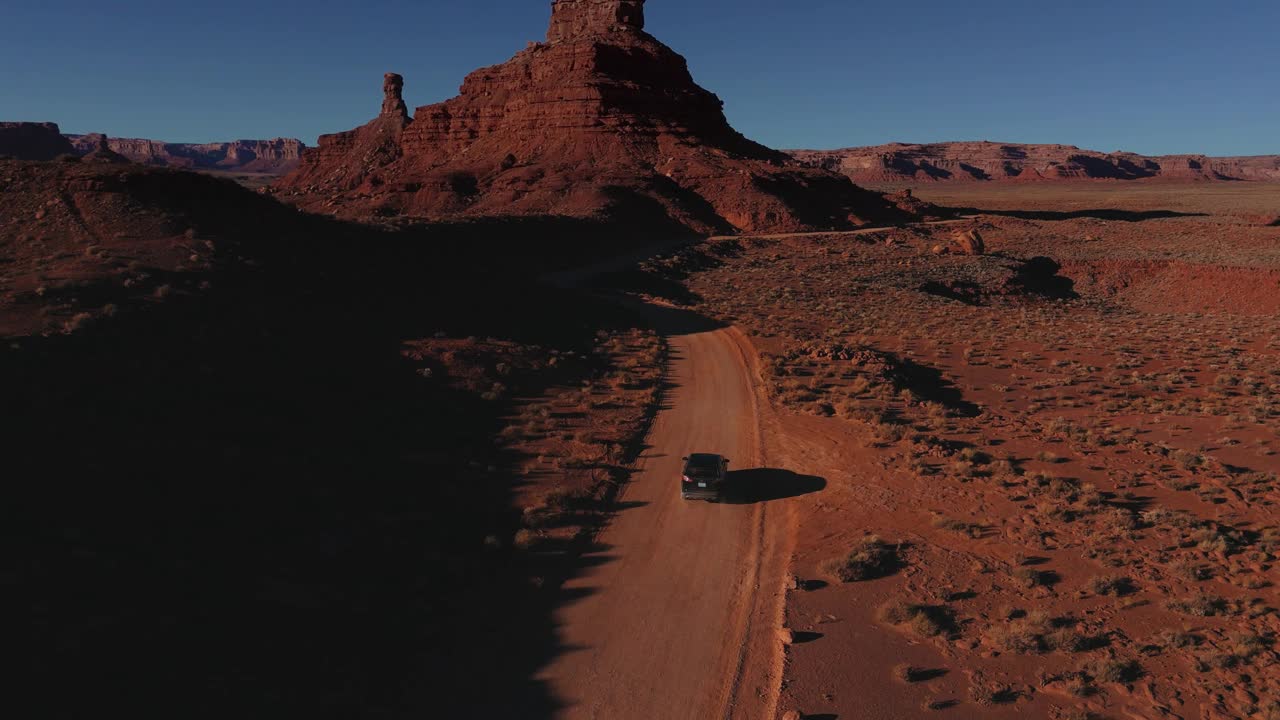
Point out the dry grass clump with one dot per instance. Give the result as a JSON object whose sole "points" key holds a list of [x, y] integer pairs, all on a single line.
{"points": [[925, 620], [1112, 585], [1114, 670], [1204, 606], [871, 558], [942, 522], [986, 693], [1037, 634], [1032, 578], [1164, 517], [1180, 639], [558, 507]]}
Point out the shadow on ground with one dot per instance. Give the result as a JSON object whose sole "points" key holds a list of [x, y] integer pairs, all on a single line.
{"points": [[759, 485], [246, 502]]}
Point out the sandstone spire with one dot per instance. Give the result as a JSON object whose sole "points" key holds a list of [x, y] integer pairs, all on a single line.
{"points": [[572, 19], [601, 122], [393, 98]]}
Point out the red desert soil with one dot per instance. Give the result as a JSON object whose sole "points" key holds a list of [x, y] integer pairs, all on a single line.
{"points": [[439, 433], [678, 625], [1014, 162], [83, 239], [1047, 494], [601, 120]]}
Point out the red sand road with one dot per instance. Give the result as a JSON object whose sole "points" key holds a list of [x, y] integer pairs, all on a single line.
{"points": [[664, 627]]}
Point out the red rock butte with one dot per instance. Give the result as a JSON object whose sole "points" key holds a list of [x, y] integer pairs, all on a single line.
{"points": [[265, 156], [1013, 162], [600, 121]]}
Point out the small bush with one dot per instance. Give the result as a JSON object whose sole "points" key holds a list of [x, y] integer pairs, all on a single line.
{"points": [[1032, 578], [926, 620], [1112, 585], [1115, 670], [871, 558], [1202, 606], [1037, 634]]}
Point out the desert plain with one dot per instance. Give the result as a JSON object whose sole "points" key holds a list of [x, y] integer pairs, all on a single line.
{"points": [[393, 426]]}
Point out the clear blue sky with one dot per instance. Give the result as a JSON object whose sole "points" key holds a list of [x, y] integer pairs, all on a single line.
{"points": [[1151, 76]]}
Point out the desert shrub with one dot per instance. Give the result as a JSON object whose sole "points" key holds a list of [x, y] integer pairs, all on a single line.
{"points": [[1112, 585], [525, 539], [1119, 520], [926, 620], [1164, 517], [1247, 646], [1037, 634], [871, 558], [1218, 540], [982, 693], [1202, 606], [1193, 571], [1178, 639], [1115, 670], [943, 522], [1030, 577]]}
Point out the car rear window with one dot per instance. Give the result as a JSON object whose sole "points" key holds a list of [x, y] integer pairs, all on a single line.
{"points": [[704, 463]]}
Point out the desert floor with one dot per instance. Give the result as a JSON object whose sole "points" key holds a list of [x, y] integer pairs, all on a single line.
{"points": [[1049, 472]]}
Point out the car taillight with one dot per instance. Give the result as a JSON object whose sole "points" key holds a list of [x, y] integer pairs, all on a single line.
{"points": [[688, 479]]}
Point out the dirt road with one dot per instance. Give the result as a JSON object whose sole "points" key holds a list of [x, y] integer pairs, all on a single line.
{"points": [[671, 622]]}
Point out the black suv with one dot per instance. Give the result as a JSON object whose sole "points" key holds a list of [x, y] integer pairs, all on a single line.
{"points": [[703, 477]]}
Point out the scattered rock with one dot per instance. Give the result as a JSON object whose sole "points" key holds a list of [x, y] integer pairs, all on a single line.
{"points": [[970, 243]]}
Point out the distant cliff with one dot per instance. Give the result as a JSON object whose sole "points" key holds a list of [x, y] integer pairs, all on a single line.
{"points": [[1009, 162], [276, 156], [33, 141]]}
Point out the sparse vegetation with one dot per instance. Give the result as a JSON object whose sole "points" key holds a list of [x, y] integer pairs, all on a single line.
{"points": [[925, 620], [870, 558], [1096, 429]]}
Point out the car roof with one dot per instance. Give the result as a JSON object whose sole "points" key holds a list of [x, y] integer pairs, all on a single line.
{"points": [[704, 459]]}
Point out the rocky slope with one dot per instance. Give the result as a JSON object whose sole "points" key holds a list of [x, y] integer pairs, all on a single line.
{"points": [[276, 156], [601, 120], [32, 141], [989, 161]]}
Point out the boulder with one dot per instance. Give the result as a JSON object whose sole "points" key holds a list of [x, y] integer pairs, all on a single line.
{"points": [[786, 636], [969, 243]]}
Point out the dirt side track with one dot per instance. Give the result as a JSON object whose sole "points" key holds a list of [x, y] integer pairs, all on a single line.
{"points": [[677, 615]]}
